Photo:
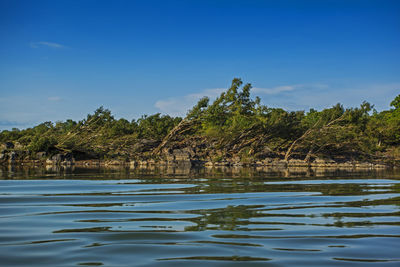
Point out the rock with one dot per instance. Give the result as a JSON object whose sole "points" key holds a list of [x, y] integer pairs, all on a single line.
{"points": [[297, 163], [221, 163], [57, 158], [189, 151], [40, 155], [18, 146], [236, 159], [108, 163], [66, 163], [347, 164], [61, 159], [178, 156], [145, 145], [209, 164], [170, 157], [323, 161], [68, 157], [267, 161], [380, 166], [12, 156], [8, 145], [181, 155], [363, 165], [197, 163], [279, 163], [142, 163], [3, 156]]}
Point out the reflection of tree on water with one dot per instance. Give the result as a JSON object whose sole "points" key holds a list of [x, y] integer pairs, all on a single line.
{"points": [[124, 172], [244, 218], [254, 186], [239, 217], [229, 218]]}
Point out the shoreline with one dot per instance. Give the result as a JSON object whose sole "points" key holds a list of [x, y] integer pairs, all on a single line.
{"points": [[152, 163]]}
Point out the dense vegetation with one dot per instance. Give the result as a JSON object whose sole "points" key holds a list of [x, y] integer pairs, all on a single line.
{"points": [[234, 124]]}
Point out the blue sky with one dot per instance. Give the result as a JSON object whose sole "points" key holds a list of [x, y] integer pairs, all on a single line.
{"points": [[63, 59]]}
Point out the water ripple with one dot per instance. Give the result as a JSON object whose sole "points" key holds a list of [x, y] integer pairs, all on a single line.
{"points": [[150, 220]]}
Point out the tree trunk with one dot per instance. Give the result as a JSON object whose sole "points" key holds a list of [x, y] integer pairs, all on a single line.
{"points": [[172, 133], [287, 155]]}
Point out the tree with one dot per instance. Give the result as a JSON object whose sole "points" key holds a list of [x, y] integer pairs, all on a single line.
{"points": [[232, 111], [198, 110], [100, 117], [156, 126], [396, 102]]}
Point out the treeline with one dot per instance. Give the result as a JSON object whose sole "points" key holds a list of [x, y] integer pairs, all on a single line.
{"points": [[240, 123], [92, 134]]}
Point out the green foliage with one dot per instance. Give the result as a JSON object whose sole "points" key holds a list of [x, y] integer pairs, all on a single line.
{"points": [[122, 127], [65, 127], [101, 117], [233, 111], [12, 135], [43, 143], [278, 122], [396, 102], [198, 110], [156, 126]]}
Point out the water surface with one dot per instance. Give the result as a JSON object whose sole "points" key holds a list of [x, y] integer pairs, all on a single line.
{"points": [[142, 218]]}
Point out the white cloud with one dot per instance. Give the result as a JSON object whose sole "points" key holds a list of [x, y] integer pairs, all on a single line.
{"points": [[322, 96], [296, 96], [48, 44], [178, 106]]}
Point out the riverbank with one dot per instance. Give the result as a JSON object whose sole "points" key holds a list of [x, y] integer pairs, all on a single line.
{"points": [[193, 154], [114, 170], [62, 160], [232, 131]]}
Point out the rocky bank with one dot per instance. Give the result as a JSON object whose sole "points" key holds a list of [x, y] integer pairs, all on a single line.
{"points": [[182, 153]]}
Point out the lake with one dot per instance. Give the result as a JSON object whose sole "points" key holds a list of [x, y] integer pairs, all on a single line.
{"points": [[219, 217]]}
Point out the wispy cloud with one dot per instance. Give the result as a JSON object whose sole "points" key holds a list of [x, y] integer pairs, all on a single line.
{"points": [[290, 96], [287, 88], [321, 96], [7, 123], [47, 44], [54, 98], [178, 106], [275, 90]]}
